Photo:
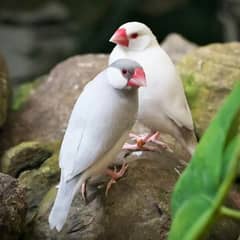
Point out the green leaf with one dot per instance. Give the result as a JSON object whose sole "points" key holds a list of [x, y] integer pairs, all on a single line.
{"points": [[201, 189], [198, 209]]}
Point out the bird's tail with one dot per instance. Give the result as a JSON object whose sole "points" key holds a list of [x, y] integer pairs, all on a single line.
{"points": [[62, 204]]}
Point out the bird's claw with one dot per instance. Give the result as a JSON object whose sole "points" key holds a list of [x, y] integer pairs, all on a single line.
{"points": [[109, 185], [115, 175], [121, 172], [140, 142], [142, 139], [83, 191], [131, 147]]}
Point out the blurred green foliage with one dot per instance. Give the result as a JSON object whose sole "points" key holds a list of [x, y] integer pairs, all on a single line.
{"points": [[199, 193]]}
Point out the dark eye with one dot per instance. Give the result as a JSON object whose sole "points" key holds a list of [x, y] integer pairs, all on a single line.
{"points": [[134, 35], [124, 71]]}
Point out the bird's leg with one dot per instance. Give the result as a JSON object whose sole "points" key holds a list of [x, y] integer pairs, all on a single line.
{"points": [[115, 175]]}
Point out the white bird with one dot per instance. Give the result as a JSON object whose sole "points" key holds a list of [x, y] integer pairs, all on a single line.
{"points": [[162, 104], [98, 126]]}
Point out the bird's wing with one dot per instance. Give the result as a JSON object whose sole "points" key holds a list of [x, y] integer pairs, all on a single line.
{"points": [[179, 111], [92, 130]]}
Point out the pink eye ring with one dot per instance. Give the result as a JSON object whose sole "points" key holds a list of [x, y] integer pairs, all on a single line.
{"points": [[134, 35]]}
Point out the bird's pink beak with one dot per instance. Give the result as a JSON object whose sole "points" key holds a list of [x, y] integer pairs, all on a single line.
{"points": [[138, 79], [120, 37]]}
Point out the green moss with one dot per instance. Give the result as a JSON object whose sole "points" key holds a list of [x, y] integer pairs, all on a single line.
{"points": [[24, 156], [208, 75], [22, 93], [191, 88], [47, 201], [37, 182]]}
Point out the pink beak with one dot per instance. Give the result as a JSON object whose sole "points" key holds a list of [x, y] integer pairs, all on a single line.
{"points": [[138, 79], [120, 37]]}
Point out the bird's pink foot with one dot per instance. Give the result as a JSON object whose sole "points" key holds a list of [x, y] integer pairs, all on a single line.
{"points": [[132, 147], [115, 175], [141, 140], [154, 138]]}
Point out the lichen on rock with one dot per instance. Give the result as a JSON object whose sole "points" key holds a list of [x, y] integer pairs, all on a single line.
{"points": [[24, 156], [209, 73], [38, 181], [22, 93]]}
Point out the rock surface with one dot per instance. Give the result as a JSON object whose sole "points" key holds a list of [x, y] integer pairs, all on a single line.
{"points": [[136, 207], [177, 46], [13, 208], [27, 155], [209, 73], [59, 91], [38, 181], [4, 91]]}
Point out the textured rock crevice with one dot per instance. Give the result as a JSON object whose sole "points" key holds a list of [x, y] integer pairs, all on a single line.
{"points": [[25, 156], [131, 206], [13, 208]]}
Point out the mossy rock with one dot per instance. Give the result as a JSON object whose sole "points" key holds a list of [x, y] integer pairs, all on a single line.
{"points": [[137, 206], [209, 73], [138, 201], [24, 156], [38, 181], [4, 91], [22, 93]]}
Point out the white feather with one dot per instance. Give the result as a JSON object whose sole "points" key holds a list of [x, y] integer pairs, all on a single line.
{"points": [[113, 74], [96, 131], [162, 104], [90, 134]]}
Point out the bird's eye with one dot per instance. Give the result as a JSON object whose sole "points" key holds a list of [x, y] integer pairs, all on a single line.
{"points": [[124, 71], [134, 35]]}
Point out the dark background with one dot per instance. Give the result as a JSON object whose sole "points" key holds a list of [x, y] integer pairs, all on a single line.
{"points": [[36, 34]]}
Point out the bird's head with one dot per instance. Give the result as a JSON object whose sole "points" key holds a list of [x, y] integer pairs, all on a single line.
{"points": [[134, 36], [126, 74]]}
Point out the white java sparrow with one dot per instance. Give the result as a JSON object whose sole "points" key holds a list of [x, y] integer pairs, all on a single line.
{"points": [[98, 126], [162, 104]]}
